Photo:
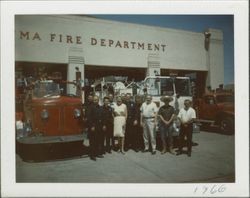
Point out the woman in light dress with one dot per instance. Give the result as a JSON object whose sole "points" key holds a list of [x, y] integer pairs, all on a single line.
{"points": [[120, 117]]}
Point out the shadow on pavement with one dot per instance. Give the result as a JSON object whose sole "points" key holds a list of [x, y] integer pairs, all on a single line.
{"points": [[50, 152]]}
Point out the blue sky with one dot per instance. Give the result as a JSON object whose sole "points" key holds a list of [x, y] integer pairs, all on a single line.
{"points": [[196, 23]]}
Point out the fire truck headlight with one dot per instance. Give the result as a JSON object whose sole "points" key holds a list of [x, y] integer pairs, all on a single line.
{"points": [[77, 113], [44, 114]]}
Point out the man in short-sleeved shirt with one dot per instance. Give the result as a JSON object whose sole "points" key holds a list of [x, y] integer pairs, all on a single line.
{"points": [[148, 122], [166, 114], [187, 116]]}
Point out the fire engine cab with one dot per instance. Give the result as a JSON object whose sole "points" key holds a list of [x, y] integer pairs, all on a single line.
{"points": [[49, 118]]}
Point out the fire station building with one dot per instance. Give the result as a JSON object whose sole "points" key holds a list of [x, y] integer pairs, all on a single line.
{"points": [[101, 48]]}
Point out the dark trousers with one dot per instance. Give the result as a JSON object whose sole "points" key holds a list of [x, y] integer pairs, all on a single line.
{"points": [[186, 131], [96, 140], [128, 135], [93, 143], [140, 137], [108, 139], [132, 136], [138, 141], [100, 139]]}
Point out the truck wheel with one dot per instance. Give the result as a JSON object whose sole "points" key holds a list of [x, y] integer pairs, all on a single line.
{"points": [[227, 125]]}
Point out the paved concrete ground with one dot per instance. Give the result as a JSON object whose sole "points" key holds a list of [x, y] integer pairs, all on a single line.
{"points": [[212, 161]]}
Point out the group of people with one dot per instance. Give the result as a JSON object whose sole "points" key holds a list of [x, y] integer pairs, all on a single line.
{"points": [[133, 124]]}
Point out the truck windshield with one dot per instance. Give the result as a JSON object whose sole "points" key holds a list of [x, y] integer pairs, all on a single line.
{"points": [[225, 98], [182, 87], [159, 86], [46, 89]]}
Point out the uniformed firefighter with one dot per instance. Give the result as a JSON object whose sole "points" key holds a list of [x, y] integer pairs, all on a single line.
{"points": [[107, 124], [138, 136], [132, 121], [94, 117], [85, 109]]}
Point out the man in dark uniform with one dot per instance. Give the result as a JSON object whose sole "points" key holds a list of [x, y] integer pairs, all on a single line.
{"points": [[107, 124], [112, 104], [94, 117], [111, 100], [86, 106], [130, 124], [138, 141]]}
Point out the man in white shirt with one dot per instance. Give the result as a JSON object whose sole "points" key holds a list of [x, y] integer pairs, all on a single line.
{"points": [[187, 116], [148, 122]]}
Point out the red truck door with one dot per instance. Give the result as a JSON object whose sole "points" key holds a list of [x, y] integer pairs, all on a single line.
{"points": [[208, 108]]}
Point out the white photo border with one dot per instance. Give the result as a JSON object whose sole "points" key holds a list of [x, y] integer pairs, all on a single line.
{"points": [[9, 187]]}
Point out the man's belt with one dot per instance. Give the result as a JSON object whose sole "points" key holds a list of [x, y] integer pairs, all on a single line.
{"points": [[148, 117]]}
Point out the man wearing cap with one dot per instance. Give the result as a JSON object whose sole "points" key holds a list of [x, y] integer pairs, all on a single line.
{"points": [[166, 114], [148, 122]]}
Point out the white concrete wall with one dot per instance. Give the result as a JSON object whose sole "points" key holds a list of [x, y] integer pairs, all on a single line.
{"points": [[216, 59], [184, 49]]}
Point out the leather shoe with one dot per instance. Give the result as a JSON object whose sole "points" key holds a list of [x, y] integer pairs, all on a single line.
{"points": [[100, 156], [93, 158], [171, 151], [163, 151], [178, 152], [145, 150], [153, 152], [189, 154]]}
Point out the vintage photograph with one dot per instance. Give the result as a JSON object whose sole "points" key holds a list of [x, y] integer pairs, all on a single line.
{"points": [[129, 98], [117, 101]]}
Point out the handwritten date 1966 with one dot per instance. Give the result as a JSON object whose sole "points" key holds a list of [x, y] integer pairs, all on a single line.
{"points": [[209, 189]]}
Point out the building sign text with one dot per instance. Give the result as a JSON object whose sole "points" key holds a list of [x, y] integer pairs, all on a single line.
{"points": [[69, 39]]}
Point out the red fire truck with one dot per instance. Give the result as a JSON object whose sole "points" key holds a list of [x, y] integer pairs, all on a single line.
{"points": [[217, 109], [51, 123]]}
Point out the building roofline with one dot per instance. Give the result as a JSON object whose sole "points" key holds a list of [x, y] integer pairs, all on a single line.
{"points": [[91, 18]]}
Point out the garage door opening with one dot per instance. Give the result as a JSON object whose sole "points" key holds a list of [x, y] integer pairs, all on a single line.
{"points": [[125, 74], [96, 72], [197, 78]]}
